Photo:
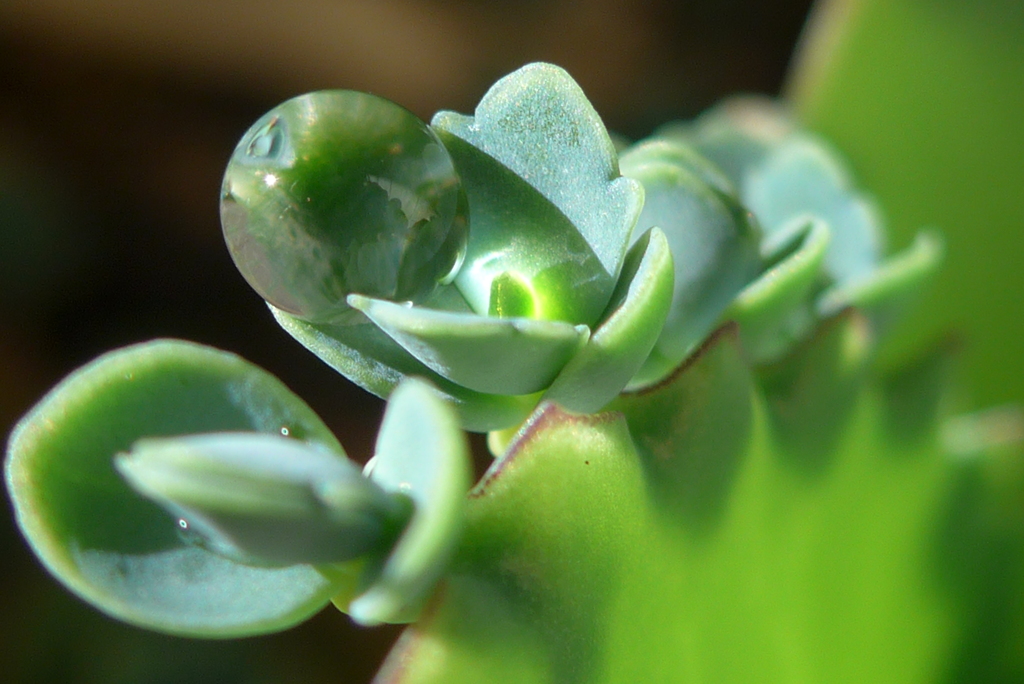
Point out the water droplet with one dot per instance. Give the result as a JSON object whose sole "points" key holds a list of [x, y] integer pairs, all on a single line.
{"points": [[188, 535], [339, 192]]}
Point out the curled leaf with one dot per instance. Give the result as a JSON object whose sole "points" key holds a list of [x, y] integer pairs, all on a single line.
{"points": [[118, 550]]}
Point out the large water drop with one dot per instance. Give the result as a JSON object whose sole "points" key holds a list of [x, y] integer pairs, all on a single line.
{"points": [[339, 192]]}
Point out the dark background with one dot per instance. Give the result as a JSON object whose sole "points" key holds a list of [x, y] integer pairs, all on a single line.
{"points": [[117, 118]]}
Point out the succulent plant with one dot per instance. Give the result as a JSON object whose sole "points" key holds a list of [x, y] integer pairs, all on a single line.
{"points": [[699, 472]]}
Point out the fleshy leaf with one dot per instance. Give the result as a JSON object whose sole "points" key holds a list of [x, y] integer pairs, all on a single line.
{"points": [[692, 430], [812, 391], [530, 590], [735, 134], [421, 453], [538, 124], [265, 499], [522, 245], [120, 551], [803, 176], [715, 250], [678, 152], [623, 340], [365, 354], [708, 552], [485, 354], [775, 310], [885, 293]]}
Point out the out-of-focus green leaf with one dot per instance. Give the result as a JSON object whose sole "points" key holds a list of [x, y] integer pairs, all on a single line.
{"points": [[735, 134], [679, 153], [775, 311], [686, 538], [886, 293], [925, 98], [800, 176]]}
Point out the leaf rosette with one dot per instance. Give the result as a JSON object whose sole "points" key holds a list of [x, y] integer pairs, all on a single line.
{"points": [[470, 270], [562, 271], [552, 284]]}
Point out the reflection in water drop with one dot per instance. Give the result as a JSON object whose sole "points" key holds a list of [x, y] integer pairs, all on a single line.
{"points": [[267, 140]]}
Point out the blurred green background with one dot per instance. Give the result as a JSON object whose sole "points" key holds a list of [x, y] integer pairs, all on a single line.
{"points": [[926, 97], [118, 117]]}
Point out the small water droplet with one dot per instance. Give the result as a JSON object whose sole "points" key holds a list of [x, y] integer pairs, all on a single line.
{"points": [[188, 535]]}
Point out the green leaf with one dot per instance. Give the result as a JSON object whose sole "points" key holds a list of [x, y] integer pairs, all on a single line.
{"points": [[812, 391], [691, 463], [684, 540], [265, 499], [422, 454], [887, 292], [121, 552], [735, 134], [924, 98], [521, 238], [715, 250], [802, 175], [624, 339], [365, 354], [536, 127], [774, 311], [491, 355], [677, 151]]}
